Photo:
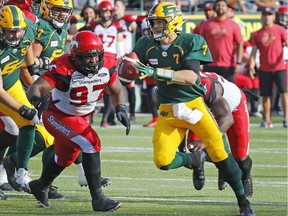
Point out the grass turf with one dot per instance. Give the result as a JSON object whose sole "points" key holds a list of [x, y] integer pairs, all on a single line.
{"points": [[145, 190]]}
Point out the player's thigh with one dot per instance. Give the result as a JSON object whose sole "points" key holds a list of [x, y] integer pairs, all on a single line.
{"points": [[72, 128], [7, 124], [168, 134], [46, 137], [209, 133], [238, 134], [18, 93]]}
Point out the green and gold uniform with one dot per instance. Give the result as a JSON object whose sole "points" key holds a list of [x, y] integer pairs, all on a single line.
{"points": [[169, 130], [11, 60], [52, 40]]}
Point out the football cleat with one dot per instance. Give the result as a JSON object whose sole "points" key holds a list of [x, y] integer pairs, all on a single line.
{"points": [[198, 170], [105, 181], [22, 177], [3, 196], [10, 168], [248, 187], [4, 185], [105, 205], [40, 193], [53, 193], [247, 210], [221, 183]]}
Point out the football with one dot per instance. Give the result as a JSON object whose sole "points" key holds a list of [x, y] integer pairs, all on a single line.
{"points": [[126, 70]]}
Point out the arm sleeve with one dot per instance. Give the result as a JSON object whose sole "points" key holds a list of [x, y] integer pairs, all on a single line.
{"points": [[192, 65]]}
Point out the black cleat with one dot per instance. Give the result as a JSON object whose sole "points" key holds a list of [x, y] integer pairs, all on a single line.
{"points": [[248, 187], [198, 170], [3, 196], [53, 193], [221, 183], [40, 193], [6, 186], [105, 181], [105, 205], [247, 210], [10, 168]]}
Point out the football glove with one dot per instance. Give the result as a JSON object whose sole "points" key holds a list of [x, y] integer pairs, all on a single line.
{"points": [[44, 62], [122, 117], [42, 103], [33, 70], [29, 113], [158, 73]]}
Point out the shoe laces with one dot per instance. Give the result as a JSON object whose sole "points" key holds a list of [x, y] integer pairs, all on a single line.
{"points": [[22, 176]]}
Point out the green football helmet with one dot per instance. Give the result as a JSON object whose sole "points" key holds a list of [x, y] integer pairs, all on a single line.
{"points": [[12, 25], [170, 14], [57, 12]]}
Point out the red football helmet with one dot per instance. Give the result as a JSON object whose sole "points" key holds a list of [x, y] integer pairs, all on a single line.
{"points": [[102, 8], [22, 4], [282, 16], [84, 46]]}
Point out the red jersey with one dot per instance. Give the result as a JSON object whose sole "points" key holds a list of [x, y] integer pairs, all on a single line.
{"points": [[270, 44], [70, 85], [231, 92], [221, 37]]}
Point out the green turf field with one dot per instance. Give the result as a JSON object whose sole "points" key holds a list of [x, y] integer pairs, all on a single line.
{"points": [[145, 190]]}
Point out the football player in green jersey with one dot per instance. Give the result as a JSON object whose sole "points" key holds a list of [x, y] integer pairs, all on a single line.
{"points": [[52, 32], [15, 40], [174, 60]]}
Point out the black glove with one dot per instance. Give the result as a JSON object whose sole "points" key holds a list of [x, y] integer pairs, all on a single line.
{"points": [[27, 113], [42, 103], [122, 116], [44, 62], [33, 69]]}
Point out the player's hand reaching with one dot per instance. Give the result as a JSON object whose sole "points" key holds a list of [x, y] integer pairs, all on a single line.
{"points": [[145, 70], [29, 113], [44, 62], [158, 73], [42, 103], [122, 116]]}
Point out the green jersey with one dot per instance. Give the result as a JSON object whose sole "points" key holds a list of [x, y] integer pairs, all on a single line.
{"points": [[52, 40], [185, 47], [12, 58]]}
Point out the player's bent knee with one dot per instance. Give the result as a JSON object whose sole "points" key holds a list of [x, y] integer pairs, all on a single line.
{"points": [[161, 160], [217, 155], [64, 163]]}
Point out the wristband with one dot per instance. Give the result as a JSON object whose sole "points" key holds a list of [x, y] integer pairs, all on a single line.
{"points": [[33, 69], [165, 74], [238, 62]]}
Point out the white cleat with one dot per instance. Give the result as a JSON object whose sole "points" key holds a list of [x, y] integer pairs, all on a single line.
{"points": [[22, 178]]}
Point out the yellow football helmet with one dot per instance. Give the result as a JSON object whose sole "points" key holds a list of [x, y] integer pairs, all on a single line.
{"points": [[57, 12], [171, 16], [12, 25]]}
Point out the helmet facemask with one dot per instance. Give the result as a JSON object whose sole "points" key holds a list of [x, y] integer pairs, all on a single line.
{"points": [[103, 17], [12, 26], [165, 32], [12, 37], [58, 15], [86, 64]]}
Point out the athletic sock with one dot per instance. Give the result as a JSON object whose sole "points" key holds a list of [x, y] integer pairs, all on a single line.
{"points": [[25, 145]]}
